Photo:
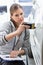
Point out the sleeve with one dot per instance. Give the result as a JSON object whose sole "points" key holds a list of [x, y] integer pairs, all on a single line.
{"points": [[4, 30], [27, 45]]}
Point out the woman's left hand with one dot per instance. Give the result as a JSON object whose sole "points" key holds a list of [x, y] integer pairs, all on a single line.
{"points": [[14, 54]]}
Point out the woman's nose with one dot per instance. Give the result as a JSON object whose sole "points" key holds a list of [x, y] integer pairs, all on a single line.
{"points": [[20, 16]]}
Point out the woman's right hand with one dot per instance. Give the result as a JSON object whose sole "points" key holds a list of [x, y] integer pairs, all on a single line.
{"points": [[21, 28]]}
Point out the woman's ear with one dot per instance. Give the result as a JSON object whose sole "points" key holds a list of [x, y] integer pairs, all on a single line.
{"points": [[10, 16]]}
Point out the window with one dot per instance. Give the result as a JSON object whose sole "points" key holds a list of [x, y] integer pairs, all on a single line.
{"points": [[25, 0], [27, 10], [3, 9]]}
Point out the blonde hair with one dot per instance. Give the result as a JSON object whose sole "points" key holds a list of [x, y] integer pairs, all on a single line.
{"points": [[14, 7]]}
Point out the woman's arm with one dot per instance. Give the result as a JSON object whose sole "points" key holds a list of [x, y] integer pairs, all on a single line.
{"points": [[22, 47]]}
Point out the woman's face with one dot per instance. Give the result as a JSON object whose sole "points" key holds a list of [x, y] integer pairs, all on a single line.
{"points": [[18, 16]]}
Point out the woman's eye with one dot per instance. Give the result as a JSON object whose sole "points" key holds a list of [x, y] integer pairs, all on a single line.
{"points": [[16, 15], [21, 14]]}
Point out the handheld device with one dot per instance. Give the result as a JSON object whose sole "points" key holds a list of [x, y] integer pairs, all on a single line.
{"points": [[32, 25]]}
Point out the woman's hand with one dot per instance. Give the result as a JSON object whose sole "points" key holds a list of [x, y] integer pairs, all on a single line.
{"points": [[21, 28], [14, 54]]}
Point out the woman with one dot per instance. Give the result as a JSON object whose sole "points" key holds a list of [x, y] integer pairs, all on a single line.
{"points": [[14, 36]]}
